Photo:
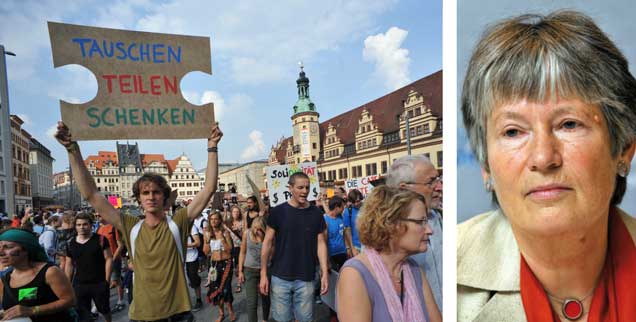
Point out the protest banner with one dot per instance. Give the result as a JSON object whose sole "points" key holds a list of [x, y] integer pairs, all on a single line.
{"points": [[362, 184], [115, 201], [138, 80], [278, 176]]}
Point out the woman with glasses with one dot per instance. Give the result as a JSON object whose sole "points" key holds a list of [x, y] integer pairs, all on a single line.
{"points": [[382, 283], [549, 106]]}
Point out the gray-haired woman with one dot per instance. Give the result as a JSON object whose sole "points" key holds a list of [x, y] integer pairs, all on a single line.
{"points": [[549, 106]]}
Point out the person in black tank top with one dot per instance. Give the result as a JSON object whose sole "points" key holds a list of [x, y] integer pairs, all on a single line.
{"points": [[34, 288], [252, 211]]}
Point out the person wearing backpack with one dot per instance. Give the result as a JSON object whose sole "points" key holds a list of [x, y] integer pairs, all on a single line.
{"points": [[88, 266], [48, 238], [157, 242]]}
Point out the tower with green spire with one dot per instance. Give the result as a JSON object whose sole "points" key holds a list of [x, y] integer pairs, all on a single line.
{"points": [[305, 123]]}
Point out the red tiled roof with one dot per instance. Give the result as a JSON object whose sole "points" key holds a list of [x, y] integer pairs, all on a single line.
{"points": [[172, 165], [146, 159], [108, 155], [101, 159], [384, 111]]}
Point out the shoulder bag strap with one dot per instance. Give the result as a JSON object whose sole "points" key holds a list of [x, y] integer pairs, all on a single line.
{"points": [[134, 232], [174, 229]]}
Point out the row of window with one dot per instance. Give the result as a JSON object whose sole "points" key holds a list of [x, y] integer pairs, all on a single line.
{"points": [[107, 180], [332, 153], [370, 143], [414, 112], [109, 188], [370, 169], [365, 128], [417, 130], [187, 193], [20, 154], [19, 140], [184, 184], [21, 172], [21, 189]]}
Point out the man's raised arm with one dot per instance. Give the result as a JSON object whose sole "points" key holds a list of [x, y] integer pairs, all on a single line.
{"points": [[84, 180], [211, 175]]}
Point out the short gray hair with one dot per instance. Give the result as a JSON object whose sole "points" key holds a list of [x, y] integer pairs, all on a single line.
{"points": [[403, 169], [540, 58]]}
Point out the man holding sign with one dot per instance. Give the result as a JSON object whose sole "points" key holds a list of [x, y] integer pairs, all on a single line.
{"points": [[157, 243]]}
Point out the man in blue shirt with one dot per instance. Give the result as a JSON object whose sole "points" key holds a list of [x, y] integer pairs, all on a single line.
{"points": [[418, 174], [335, 233], [350, 216]]}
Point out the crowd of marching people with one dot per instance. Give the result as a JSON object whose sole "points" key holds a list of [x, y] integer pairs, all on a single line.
{"points": [[385, 250]]}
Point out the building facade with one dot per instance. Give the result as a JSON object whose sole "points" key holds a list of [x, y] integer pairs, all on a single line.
{"points": [[105, 171], [21, 141], [237, 177], [366, 140], [130, 168], [41, 166], [65, 193], [184, 178]]}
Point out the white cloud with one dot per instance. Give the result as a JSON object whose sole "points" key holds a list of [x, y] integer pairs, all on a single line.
{"points": [[50, 132], [119, 14], [25, 33], [257, 147], [263, 39], [236, 107], [191, 96], [74, 84], [219, 103], [391, 61]]}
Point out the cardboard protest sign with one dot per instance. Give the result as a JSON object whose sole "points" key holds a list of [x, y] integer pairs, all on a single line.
{"points": [[138, 76], [362, 184], [278, 176]]}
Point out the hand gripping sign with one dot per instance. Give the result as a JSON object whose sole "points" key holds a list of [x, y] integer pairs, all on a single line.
{"points": [[138, 76]]}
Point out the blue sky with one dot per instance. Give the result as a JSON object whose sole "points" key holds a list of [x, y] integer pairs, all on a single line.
{"points": [[353, 52]]}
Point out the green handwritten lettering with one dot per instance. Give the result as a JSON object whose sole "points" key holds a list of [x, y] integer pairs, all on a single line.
{"points": [[161, 114], [148, 117], [133, 115], [90, 111], [104, 113], [188, 116], [174, 116]]}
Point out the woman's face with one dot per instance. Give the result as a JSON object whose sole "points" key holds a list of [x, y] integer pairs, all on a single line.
{"points": [[416, 237], [235, 213], [215, 220], [551, 164], [11, 252]]}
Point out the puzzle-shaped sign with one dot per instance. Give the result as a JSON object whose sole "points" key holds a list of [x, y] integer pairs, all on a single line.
{"points": [[138, 76]]}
